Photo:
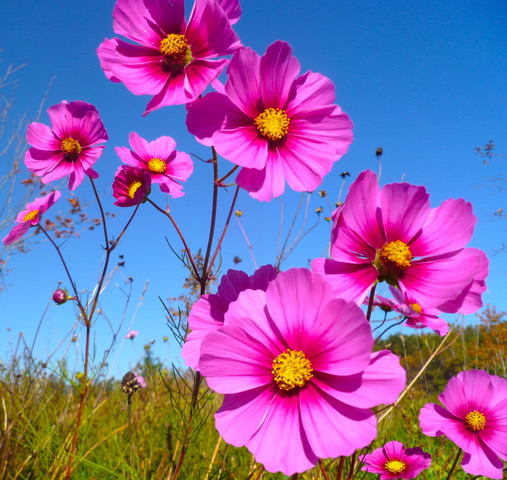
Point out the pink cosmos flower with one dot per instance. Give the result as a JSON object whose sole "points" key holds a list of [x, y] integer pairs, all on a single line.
{"points": [[131, 186], [275, 124], [165, 164], [393, 461], [416, 315], [69, 147], [132, 334], [208, 312], [392, 234], [31, 216], [294, 362], [175, 61], [475, 419]]}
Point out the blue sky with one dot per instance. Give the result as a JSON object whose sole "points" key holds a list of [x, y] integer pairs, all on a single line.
{"points": [[424, 80]]}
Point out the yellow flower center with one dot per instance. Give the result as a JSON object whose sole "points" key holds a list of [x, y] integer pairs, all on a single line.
{"points": [[291, 369], [475, 421], [157, 165], [396, 254], [133, 188], [70, 148], [272, 123], [176, 50], [395, 466], [416, 307], [30, 215]]}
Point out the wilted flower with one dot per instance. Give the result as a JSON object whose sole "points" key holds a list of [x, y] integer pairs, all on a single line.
{"points": [[393, 461], [166, 166], [69, 147], [31, 216], [474, 418], [175, 61], [293, 362], [279, 126], [131, 186], [130, 383]]}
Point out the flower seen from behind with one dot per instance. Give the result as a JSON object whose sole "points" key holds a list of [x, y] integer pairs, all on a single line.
{"points": [[131, 186], [474, 418], [171, 59], [393, 461], [31, 216], [393, 235], [70, 147], [278, 125], [293, 362], [166, 166], [208, 312]]}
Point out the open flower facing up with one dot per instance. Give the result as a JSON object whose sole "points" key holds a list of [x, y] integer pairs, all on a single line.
{"points": [[474, 418], [175, 61], [69, 147], [30, 216], [393, 235], [393, 461], [166, 166], [208, 312], [131, 186], [278, 126], [294, 362], [417, 316]]}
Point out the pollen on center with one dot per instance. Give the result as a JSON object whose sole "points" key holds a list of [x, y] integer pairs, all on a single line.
{"points": [[157, 165], [396, 254], [30, 215], [395, 466], [475, 421], [272, 123], [291, 369], [133, 188], [71, 148]]}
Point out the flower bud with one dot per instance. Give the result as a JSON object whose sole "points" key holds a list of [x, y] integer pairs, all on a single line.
{"points": [[60, 296]]}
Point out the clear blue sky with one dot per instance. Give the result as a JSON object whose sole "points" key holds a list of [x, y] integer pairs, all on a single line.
{"points": [[424, 80]]}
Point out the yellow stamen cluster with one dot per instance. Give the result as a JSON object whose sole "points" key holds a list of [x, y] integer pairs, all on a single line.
{"points": [[272, 123], [395, 466], [30, 215], [416, 307], [475, 421], [157, 165], [396, 254], [176, 51], [133, 188], [71, 148], [291, 369]]}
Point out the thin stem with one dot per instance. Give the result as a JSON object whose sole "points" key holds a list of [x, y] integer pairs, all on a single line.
{"points": [[214, 208], [456, 458], [224, 231], [321, 466], [339, 472], [180, 234], [220, 181], [117, 241], [370, 301], [129, 410], [352, 463]]}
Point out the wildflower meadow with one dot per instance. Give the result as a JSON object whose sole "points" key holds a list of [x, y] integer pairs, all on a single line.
{"points": [[350, 360]]}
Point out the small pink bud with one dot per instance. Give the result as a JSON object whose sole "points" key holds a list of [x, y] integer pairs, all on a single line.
{"points": [[60, 296]]}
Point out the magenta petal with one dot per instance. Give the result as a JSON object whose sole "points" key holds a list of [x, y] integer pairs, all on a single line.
{"points": [[312, 89], [346, 427], [280, 442], [405, 208], [448, 228], [278, 71], [350, 282], [16, 233], [40, 136], [483, 463], [243, 147]]}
